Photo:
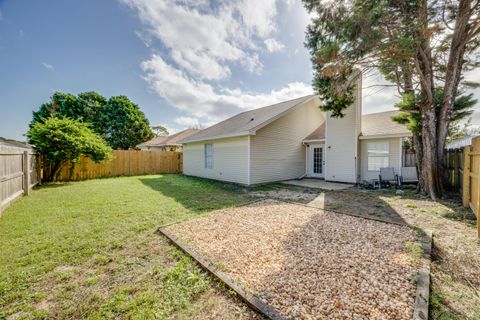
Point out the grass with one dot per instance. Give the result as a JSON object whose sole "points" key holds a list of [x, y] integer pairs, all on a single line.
{"points": [[89, 249]]}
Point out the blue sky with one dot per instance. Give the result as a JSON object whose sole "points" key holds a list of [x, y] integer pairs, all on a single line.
{"points": [[185, 63]]}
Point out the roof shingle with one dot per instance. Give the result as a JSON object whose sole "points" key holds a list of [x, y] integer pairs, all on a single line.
{"points": [[381, 123], [170, 140], [242, 123]]}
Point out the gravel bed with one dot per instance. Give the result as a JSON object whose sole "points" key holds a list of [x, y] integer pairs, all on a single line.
{"points": [[310, 264]]}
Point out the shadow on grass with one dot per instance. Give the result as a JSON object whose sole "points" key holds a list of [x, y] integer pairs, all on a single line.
{"points": [[52, 185], [196, 194]]}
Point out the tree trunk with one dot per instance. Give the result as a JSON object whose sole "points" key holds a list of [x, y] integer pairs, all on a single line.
{"points": [[417, 147], [429, 165], [452, 80]]}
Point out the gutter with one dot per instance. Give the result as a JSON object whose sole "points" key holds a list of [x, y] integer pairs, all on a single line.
{"points": [[233, 135], [385, 136]]}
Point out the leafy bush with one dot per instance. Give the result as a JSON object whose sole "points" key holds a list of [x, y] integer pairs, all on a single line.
{"points": [[117, 120], [63, 140]]}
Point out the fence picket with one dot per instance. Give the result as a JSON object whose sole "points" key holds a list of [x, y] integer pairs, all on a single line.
{"points": [[125, 162], [471, 179]]}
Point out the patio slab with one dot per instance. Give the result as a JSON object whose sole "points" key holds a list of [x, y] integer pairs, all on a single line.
{"points": [[318, 184], [308, 263]]}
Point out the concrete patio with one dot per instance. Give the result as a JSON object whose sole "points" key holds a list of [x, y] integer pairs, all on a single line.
{"points": [[318, 184]]}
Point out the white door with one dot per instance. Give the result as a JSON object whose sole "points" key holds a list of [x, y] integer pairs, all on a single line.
{"points": [[317, 160]]}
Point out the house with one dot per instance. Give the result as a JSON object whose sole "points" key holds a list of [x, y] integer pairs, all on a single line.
{"points": [[167, 143], [296, 139]]}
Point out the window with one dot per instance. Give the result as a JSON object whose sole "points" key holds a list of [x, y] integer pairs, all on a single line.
{"points": [[208, 156], [317, 160], [377, 155]]}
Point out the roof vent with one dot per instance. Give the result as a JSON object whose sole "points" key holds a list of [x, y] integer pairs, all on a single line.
{"points": [[252, 119]]}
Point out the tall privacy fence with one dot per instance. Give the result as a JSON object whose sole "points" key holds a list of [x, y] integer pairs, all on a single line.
{"points": [[125, 163], [463, 165], [21, 170], [18, 173]]}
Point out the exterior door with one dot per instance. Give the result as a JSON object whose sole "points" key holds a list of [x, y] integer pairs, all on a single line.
{"points": [[317, 160]]}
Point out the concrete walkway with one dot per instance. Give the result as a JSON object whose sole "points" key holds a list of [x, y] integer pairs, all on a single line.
{"points": [[318, 184]]}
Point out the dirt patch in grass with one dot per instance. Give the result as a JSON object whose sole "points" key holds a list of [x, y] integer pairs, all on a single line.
{"points": [[308, 263]]}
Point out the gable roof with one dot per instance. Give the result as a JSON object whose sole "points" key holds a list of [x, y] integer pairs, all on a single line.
{"points": [[381, 124], [248, 122], [317, 134], [170, 140]]}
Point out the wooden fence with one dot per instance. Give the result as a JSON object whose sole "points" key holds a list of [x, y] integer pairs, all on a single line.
{"points": [[18, 173], [454, 162], [125, 163], [471, 178]]}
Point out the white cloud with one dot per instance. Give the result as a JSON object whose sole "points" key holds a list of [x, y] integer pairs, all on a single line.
{"points": [[145, 38], [187, 122], [273, 45], [204, 42], [203, 39], [47, 66], [258, 15], [203, 101]]}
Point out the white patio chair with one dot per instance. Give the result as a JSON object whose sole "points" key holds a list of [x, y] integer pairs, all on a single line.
{"points": [[409, 175], [387, 176]]}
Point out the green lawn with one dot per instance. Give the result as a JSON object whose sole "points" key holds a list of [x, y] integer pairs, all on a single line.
{"points": [[89, 250]]}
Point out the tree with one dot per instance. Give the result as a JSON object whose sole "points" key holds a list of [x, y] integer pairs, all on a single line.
{"points": [[160, 131], [122, 124], [96, 110], [418, 45], [86, 106], [61, 140]]}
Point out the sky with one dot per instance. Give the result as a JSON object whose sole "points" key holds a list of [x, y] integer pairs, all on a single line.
{"points": [[186, 63]]}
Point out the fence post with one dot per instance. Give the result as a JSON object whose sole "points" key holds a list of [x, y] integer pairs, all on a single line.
{"points": [[26, 173], [466, 177]]}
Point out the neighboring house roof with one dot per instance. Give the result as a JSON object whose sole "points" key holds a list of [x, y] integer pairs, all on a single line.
{"points": [[246, 123], [14, 143], [460, 143], [380, 125], [318, 134], [171, 140]]}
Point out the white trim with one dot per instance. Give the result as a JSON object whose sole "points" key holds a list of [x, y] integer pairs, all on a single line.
{"points": [[401, 158], [358, 123], [313, 140], [306, 158], [386, 136], [326, 146], [233, 135]]}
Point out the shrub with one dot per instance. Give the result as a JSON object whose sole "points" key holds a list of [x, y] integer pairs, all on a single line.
{"points": [[62, 140]]}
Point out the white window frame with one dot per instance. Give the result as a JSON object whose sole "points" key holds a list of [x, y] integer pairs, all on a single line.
{"points": [[208, 155], [378, 155]]}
